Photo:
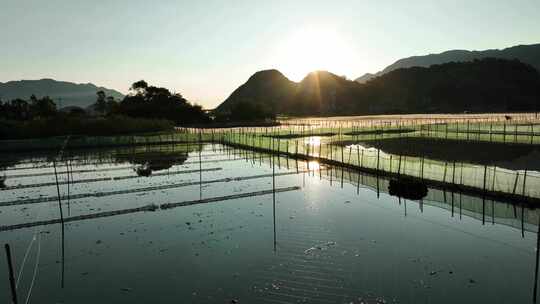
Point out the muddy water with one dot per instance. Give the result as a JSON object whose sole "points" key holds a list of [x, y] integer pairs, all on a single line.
{"points": [[335, 240]]}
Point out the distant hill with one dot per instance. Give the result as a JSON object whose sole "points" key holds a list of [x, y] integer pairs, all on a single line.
{"points": [[487, 85], [269, 87], [529, 54], [71, 94]]}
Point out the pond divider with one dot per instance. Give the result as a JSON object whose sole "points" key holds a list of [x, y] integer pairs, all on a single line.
{"points": [[146, 208], [100, 179], [101, 163], [138, 190], [472, 179]]}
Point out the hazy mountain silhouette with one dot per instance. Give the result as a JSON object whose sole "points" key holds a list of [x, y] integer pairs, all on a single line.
{"points": [[269, 87], [487, 85], [71, 94], [322, 92], [529, 54]]}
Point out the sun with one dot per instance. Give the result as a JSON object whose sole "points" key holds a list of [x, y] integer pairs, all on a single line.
{"points": [[313, 48]]}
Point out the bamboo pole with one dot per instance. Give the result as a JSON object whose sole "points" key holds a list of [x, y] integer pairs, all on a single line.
{"points": [[11, 274]]}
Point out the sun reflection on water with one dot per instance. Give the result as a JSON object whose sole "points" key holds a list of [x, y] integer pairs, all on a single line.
{"points": [[313, 141], [313, 165]]}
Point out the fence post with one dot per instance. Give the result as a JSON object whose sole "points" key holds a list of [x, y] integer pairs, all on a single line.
{"points": [[468, 127], [445, 170], [11, 275], [422, 168], [453, 172], [515, 183], [524, 181], [461, 175], [485, 178], [399, 166], [378, 159]]}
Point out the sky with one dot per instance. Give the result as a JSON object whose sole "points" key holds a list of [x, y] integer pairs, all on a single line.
{"points": [[205, 49]]}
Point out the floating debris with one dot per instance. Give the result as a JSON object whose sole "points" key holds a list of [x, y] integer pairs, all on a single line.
{"points": [[144, 170], [320, 247]]}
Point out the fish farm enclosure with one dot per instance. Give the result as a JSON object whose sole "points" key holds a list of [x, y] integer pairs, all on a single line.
{"points": [[412, 209]]}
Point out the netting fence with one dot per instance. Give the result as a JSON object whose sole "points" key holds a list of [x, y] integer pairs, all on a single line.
{"points": [[487, 178]]}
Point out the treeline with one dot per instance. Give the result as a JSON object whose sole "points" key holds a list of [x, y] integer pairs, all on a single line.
{"points": [[20, 109], [487, 85], [146, 109]]}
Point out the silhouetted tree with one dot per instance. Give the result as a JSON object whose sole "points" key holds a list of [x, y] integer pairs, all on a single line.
{"points": [[245, 111], [101, 104], [139, 87], [42, 108], [155, 102], [111, 106]]}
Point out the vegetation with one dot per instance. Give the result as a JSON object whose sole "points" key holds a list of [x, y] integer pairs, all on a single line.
{"points": [[494, 85], [146, 109], [244, 111], [159, 103], [90, 126], [529, 54]]}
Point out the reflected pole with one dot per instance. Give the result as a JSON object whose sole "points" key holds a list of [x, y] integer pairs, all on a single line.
{"points": [[274, 194], [200, 166], [61, 220], [536, 267]]}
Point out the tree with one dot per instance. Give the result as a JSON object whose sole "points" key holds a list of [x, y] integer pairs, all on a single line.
{"points": [[101, 105], [42, 108], [156, 102], [244, 111], [17, 109], [139, 87], [111, 106]]}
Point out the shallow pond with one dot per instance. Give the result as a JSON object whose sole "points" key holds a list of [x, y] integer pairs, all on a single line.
{"points": [[337, 238]]}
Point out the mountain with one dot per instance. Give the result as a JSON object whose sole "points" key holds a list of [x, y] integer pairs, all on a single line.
{"points": [[529, 54], [63, 93], [486, 85], [269, 87], [322, 92]]}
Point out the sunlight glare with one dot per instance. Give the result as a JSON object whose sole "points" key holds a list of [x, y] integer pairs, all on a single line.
{"points": [[309, 49], [313, 141]]}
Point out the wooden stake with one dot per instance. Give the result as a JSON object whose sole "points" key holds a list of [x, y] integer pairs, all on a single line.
{"points": [[11, 275]]}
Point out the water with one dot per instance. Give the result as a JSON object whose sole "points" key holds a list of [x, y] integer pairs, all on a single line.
{"points": [[337, 240]]}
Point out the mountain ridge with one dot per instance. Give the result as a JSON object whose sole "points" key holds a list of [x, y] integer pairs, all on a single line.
{"points": [[65, 92], [527, 53], [485, 85]]}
